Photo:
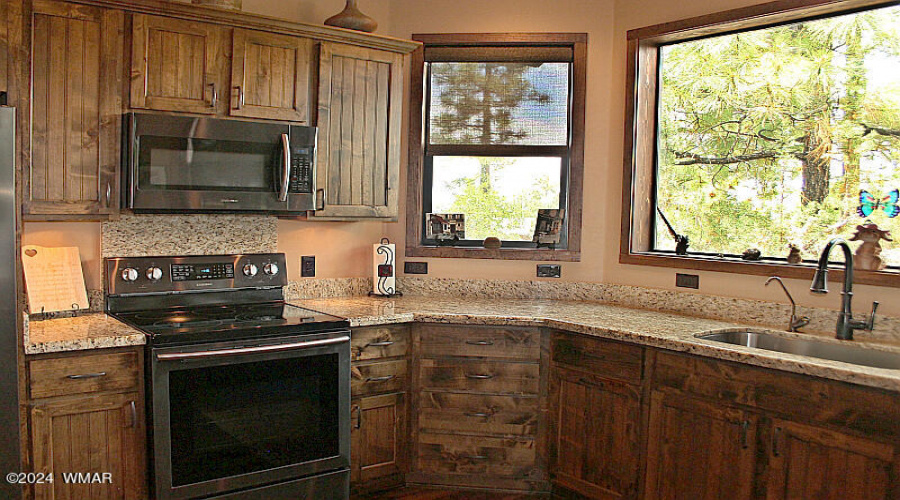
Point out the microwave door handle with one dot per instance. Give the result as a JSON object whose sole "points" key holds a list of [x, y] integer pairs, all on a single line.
{"points": [[286, 167]]}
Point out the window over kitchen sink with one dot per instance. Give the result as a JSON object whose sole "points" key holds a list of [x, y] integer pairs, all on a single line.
{"points": [[774, 127], [502, 125]]}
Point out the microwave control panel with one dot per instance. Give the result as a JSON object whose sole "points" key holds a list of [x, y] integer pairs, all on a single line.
{"points": [[301, 180]]}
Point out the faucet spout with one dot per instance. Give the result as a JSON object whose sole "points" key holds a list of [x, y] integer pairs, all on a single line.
{"points": [[845, 323]]}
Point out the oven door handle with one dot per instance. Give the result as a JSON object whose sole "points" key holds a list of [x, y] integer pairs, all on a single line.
{"points": [[286, 167], [174, 356]]}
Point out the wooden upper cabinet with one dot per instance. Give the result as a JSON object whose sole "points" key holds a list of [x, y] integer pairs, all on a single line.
{"points": [[76, 107], [812, 462], [270, 76], [176, 65], [358, 163]]}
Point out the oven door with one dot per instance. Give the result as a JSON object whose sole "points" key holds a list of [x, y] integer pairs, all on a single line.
{"points": [[232, 416], [194, 164]]}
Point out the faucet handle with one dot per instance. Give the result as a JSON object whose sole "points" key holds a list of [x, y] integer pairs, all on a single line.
{"points": [[798, 323], [870, 324]]}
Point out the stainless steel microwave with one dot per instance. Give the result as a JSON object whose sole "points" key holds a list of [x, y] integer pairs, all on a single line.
{"points": [[205, 165]]}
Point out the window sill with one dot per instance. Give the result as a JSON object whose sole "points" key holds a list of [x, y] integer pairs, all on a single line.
{"points": [[759, 268], [537, 254]]}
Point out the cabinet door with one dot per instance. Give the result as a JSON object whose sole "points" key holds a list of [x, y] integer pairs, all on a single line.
{"points": [[270, 76], [811, 462], [594, 438], [100, 435], [377, 446], [699, 450], [175, 65], [76, 110], [358, 163]]}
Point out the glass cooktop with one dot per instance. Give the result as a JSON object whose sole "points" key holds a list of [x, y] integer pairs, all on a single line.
{"points": [[181, 325]]}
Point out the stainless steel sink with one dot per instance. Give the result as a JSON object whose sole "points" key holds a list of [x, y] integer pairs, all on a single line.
{"points": [[842, 352]]}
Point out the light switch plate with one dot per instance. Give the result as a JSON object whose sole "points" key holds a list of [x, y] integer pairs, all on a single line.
{"points": [[308, 266], [687, 280], [415, 267]]}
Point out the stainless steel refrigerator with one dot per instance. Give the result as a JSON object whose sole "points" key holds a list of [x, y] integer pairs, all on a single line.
{"points": [[9, 385]]}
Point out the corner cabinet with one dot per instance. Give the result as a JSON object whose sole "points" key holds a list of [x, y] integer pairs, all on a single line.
{"points": [[358, 151], [72, 170]]}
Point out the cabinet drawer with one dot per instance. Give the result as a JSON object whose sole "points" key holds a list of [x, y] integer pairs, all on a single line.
{"points": [[499, 457], [86, 373], [378, 342], [498, 377], [604, 358], [388, 376], [501, 415], [489, 342]]}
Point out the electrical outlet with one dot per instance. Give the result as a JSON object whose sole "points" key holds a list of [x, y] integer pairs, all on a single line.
{"points": [[549, 270], [415, 267], [308, 266], [687, 280]]}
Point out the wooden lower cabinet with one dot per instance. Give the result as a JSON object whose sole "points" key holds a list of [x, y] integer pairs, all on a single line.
{"points": [[377, 438], [698, 449], [811, 462], [99, 439], [594, 444]]}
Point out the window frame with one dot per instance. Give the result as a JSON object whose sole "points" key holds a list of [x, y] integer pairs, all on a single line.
{"points": [[641, 120], [419, 172]]}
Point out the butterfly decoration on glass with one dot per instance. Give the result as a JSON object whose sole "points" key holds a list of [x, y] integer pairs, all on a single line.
{"points": [[868, 203]]}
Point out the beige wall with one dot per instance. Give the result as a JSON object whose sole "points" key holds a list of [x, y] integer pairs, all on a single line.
{"points": [[606, 22], [344, 249]]}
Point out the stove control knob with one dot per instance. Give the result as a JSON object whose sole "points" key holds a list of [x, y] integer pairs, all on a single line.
{"points": [[154, 273], [271, 269], [129, 274], [250, 270]]}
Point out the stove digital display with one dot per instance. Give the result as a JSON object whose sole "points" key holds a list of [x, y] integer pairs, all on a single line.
{"points": [[191, 272]]}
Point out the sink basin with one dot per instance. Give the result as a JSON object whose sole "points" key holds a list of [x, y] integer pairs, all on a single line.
{"points": [[842, 352]]}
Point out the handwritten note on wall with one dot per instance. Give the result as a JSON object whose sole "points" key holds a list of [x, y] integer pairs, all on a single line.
{"points": [[53, 279]]}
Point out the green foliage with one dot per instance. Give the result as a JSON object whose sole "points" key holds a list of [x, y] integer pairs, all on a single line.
{"points": [[766, 137]]}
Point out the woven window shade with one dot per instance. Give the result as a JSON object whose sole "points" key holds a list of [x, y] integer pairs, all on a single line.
{"points": [[507, 103]]}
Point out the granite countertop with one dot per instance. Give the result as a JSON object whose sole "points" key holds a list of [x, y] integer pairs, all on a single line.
{"points": [[655, 329], [90, 331]]}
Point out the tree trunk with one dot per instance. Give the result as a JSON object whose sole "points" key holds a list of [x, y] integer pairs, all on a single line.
{"points": [[815, 170]]}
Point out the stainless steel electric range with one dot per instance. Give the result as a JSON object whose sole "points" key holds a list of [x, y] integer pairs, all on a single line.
{"points": [[248, 396]]}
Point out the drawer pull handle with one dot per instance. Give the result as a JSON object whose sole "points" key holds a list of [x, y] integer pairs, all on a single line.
{"points": [[380, 344], [380, 379], [476, 457], [479, 376], [358, 410], [477, 414], [776, 437], [745, 428], [480, 342], [86, 375]]}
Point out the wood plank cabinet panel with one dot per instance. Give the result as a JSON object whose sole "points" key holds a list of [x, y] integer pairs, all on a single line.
{"points": [[371, 378], [478, 341], [595, 445], [97, 435], [270, 76], [699, 450], [377, 342], [475, 375], [176, 65], [76, 109], [83, 374], [478, 414], [607, 358], [358, 151], [811, 462], [378, 430], [510, 457]]}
